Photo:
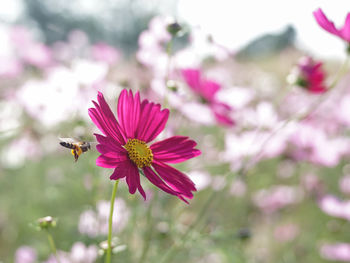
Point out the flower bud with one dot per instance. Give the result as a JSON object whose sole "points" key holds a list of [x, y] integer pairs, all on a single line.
{"points": [[174, 28], [46, 222]]}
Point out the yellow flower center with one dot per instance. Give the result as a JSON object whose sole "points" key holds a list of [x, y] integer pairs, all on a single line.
{"points": [[139, 152]]}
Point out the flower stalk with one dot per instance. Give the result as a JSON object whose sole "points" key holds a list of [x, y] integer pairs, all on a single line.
{"points": [[52, 245], [110, 223]]}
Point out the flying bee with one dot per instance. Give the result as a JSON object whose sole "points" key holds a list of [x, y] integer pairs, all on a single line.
{"points": [[77, 147]]}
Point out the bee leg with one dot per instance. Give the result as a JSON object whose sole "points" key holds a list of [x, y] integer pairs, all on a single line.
{"points": [[75, 154]]}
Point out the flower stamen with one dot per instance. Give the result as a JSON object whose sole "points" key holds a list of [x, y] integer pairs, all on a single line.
{"points": [[139, 152]]}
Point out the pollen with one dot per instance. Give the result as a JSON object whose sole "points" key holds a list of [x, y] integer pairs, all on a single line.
{"points": [[139, 152]]}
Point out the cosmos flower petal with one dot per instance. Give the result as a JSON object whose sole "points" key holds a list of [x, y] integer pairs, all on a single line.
{"points": [[109, 116], [129, 112], [175, 179], [345, 31], [110, 162], [175, 149], [323, 21], [209, 89], [119, 171], [192, 78], [152, 121], [109, 143], [132, 177], [103, 118], [222, 113], [154, 179]]}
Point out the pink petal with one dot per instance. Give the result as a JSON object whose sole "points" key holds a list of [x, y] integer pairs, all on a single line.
{"points": [[192, 77], [121, 171], [323, 21], [108, 142], [133, 179], [104, 119], [110, 162], [175, 179], [175, 149], [129, 112], [209, 89], [152, 121], [345, 31], [222, 113], [154, 179]]}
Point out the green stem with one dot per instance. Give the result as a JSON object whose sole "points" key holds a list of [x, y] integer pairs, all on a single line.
{"points": [[341, 72], [110, 223], [52, 245]]}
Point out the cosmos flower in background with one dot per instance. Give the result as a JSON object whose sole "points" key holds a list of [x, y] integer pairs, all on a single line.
{"points": [[326, 24], [336, 252], [125, 145], [207, 90], [105, 53], [309, 75], [94, 223], [25, 254], [332, 206]]}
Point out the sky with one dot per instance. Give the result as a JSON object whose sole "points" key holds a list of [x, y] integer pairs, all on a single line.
{"points": [[234, 23]]}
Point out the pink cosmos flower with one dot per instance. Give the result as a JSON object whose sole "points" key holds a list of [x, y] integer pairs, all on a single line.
{"points": [[337, 251], [207, 90], [125, 145], [322, 20], [311, 75], [105, 53]]}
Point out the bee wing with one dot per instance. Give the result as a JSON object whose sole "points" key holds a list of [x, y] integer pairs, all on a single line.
{"points": [[93, 145], [68, 140]]}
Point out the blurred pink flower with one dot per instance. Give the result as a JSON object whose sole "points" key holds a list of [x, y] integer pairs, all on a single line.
{"points": [[79, 254], [105, 53], [36, 54], [83, 254], [311, 76], [207, 90], [335, 207], [124, 146], [312, 144], [10, 68], [286, 232], [326, 24], [336, 252], [277, 197], [25, 254], [344, 184]]}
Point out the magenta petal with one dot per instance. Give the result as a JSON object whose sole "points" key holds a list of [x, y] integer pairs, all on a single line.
{"points": [[175, 179], [175, 149], [110, 162], [192, 78], [209, 89], [323, 21], [133, 179], [152, 121], [106, 122], [154, 179], [129, 112], [109, 144], [121, 171], [345, 31]]}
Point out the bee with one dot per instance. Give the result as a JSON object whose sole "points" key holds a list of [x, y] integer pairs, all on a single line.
{"points": [[77, 147]]}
